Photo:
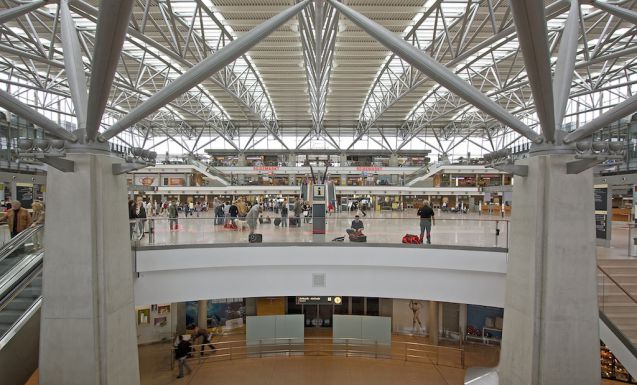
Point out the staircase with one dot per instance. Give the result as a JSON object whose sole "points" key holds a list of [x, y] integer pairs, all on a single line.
{"points": [[617, 294]]}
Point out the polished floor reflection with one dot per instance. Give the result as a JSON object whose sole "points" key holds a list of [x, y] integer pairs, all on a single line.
{"points": [[380, 227]]}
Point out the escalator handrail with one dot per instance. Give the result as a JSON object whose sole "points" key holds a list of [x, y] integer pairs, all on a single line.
{"points": [[618, 333], [20, 276], [18, 241], [19, 324], [617, 284]]}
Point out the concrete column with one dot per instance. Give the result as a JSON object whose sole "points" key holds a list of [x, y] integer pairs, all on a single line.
{"points": [[291, 161], [393, 160], [202, 314], [88, 334], [343, 160], [291, 179], [551, 326], [241, 162], [180, 319], [433, 322]]}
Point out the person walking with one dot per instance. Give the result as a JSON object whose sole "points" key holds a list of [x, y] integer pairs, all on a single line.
{"points": [[182, 351], [17, 218], [284, 214], [173, 215], [426, 215]]}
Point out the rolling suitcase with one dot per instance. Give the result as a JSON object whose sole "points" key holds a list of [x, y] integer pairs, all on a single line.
{"points": [[277, 221], [255, 238]]}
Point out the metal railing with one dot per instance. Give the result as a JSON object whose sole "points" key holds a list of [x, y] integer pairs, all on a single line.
{"points": [[448, 230], [618, 306], [327, 346]]}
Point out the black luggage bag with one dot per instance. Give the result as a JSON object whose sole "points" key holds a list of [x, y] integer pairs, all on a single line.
{"points": [[255, 238], [277, 221]]}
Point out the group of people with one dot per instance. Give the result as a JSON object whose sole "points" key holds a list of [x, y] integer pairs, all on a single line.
{"points": [[19, 219], [183, 348]]}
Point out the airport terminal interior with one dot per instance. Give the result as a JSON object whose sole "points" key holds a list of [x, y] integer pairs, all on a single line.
{"points": [[374, 192]]}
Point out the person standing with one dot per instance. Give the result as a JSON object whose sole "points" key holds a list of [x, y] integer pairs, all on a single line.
{"points": [[298, 210], [17, 218], [37, 218], [139, 214], [426, 215], [173, 215], [252, 216], [182, 351], [284, 214], [234, 212]]}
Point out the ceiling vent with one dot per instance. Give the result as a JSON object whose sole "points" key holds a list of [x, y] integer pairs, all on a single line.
{"points": [[318, 280]]}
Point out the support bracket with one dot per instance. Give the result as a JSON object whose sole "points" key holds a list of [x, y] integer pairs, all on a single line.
{"points": [[586, 162], [515, 169], [59, 163], [123, 168]]}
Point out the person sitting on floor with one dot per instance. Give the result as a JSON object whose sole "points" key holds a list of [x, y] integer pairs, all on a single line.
{"points": [[357, 226]]}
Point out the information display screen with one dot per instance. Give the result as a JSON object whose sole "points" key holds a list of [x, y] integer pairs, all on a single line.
{"points": [[601, 199], [600, 226], [319, 300]]}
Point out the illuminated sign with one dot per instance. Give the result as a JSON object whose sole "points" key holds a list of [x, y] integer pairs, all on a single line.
{"points": [[369, 169], [265, 168], [319, 300]]}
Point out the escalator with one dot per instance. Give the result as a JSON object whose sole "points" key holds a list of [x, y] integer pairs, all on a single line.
{"points": [[20, 301]]}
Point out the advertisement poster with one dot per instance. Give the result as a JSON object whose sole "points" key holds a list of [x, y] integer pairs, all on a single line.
{"points": [[143, 316], [160, 321], [146, 180], [409, 316], [173, 180], [218, 312]]}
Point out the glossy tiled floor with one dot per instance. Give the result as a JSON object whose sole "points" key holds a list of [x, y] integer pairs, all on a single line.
{"points": [[323, 370], [380, 227]]}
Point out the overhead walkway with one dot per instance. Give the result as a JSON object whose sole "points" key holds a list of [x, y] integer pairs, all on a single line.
{"points": [[428, 171], [21, 262]]}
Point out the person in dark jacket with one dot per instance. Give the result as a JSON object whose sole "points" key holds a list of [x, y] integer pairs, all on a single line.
{"points": [[234, 212], [426, 215], [182, 351]]}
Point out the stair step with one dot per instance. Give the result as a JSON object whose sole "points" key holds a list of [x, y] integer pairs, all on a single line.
{"points": [[20, 303], [9, 316]]}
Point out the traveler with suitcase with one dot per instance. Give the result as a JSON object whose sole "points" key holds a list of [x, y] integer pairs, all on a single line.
{"points": [[426, 215]]}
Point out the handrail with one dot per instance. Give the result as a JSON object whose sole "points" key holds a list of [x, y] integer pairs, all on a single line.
{"points": [[19, 277], [618, 333], [348, 347], [19, 324], [616, 284], [17, 241]]}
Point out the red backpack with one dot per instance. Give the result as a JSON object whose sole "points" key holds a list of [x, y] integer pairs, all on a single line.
{"points": [[412, 239]]}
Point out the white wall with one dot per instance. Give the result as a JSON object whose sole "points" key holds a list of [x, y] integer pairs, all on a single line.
{"points": [[451, 275]]}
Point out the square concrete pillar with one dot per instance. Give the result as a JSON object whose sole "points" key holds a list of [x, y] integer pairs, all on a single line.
{"points": [[88, 334], [551, 325]]}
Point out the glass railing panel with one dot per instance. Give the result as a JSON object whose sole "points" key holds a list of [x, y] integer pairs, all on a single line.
{"points": [[27, 245], [618, 304], [460, 230], [20, 302]]}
